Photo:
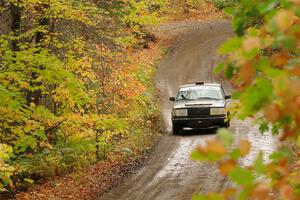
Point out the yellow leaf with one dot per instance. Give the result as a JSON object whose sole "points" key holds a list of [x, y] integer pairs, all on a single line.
{"points": [[284, 19]]}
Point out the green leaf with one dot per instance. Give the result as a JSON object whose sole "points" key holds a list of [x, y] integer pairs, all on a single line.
{"points": [[276, 129], [241, 176], [281, 154], [262, 63], [244, 195], [239, 24], [28, 180], [199, 197], [264, 127], [229, 10], [236, 95], [230, 45], [265, 7], [210, 157], [289, 42], [229, 71], [212, 196], [259, 165], [219, 68], [255, 97], [197, 156], [235, 154], [226, 136], [298, 140]]}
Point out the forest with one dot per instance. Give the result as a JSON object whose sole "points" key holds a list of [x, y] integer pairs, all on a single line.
{"points": [[69, 92], [77, 88]]}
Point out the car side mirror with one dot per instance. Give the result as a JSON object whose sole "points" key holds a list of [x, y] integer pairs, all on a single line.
{"points": [[172, 98], [228, 96]]}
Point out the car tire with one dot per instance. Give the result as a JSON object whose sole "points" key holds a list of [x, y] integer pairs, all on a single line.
{"points": [[176, 129], [226, 124]]}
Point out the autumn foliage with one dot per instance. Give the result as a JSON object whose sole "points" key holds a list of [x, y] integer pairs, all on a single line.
{"points": [[71, 90]]}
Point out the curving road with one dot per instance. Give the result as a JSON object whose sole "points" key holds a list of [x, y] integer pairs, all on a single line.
{"points": [[169, 173]]}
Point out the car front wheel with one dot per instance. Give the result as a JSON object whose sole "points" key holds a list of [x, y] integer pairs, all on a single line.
{"points": [[226, 124]]}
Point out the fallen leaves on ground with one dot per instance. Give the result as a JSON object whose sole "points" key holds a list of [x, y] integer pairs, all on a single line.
{"points": [[87, 183], [207, 11]]}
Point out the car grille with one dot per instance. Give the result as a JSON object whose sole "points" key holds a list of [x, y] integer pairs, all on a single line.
{"points": [[199, 112]]}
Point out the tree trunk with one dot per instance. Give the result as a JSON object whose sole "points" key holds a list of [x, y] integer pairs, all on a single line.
{"points": [[97, 145], [15, 24], [186, 7], [35, 96]]}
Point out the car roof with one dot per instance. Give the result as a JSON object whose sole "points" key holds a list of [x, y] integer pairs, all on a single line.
{"points": [[199, 84]]}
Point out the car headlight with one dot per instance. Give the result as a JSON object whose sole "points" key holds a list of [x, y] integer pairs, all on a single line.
{"points": [[217, 111], [180, 113]]}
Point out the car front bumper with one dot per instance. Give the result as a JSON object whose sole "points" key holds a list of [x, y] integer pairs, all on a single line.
{"points": [[198, 123]]}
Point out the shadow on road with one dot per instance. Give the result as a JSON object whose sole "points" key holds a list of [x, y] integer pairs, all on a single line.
{"points": [[187, 133]]}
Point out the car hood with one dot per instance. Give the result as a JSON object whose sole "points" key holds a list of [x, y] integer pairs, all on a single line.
{"points": [[199, 103]]}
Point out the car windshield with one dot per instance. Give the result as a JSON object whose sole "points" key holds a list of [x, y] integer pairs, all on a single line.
{"points": [[200, 92]]}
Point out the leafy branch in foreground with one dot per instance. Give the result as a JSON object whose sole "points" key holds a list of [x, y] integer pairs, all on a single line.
{"points": [[263, 63]]}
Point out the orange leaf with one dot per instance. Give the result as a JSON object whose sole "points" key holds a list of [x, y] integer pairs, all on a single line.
{"points": [[244, 147], [290, 106], [261, 192], [226, 167], [294, 88], [272, 112], [246, 73], [297, 2], [298, 120], [295, 71], [288, 133], [283, 167], [286, 192], [215, 146], [229, 193], [298, 101], [280, 59]]}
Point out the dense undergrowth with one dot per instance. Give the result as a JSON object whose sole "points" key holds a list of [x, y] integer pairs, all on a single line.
{"points": [[221, 4]]}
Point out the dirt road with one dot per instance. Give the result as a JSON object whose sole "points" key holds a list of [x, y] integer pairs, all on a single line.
{"points": [[170, 174]]}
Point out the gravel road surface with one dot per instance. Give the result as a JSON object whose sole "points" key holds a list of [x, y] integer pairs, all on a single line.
{"points": [[170, 174]]}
